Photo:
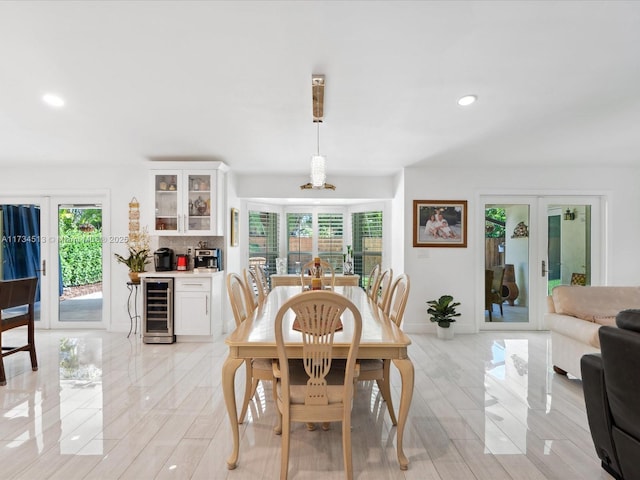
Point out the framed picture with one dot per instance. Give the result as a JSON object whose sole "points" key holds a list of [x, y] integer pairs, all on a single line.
{"points": [[235, 223], [439, 223]]}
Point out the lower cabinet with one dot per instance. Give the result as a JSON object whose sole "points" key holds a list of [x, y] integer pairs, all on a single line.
{"points": [[192, 306]]}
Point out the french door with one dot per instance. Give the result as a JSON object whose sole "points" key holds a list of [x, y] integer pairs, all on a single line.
{"points": [[532, 244], [61, 241]]}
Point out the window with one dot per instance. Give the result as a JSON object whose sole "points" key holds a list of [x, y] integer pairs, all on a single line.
{"points": [[330, 239], [263, 238], [299, 240], [366, 231]]}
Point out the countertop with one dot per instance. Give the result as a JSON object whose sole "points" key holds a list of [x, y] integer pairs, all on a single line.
{"points": [[202, 272]]}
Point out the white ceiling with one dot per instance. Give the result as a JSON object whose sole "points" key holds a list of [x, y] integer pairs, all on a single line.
{"points": [[557, 83]]}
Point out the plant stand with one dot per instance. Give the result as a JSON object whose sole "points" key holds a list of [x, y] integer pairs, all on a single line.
{"points": [[445, 333]]}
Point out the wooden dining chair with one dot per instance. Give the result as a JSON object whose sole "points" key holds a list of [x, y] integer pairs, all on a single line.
{"points": [[314, 391], [256, 368], [261, 276], [327, 274], [384, 287], [379, 369], [373, 281], [18, 294], [254, 291]]}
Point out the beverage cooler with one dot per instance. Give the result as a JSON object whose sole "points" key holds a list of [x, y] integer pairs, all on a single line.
{"points": [[157, 318]]}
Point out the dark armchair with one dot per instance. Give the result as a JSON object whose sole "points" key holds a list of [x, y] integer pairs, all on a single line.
{"points": [[611, 383]]}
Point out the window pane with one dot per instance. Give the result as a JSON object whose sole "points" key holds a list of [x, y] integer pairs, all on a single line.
{"points": [[330, 239], [263, 238], [300, 240], [367, 243]]}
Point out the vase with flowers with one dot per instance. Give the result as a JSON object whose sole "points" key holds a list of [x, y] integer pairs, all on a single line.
{"points": [[138, 255]]}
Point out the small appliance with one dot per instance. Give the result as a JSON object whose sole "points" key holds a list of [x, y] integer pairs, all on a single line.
{"points": [[163, 259], [182, 262], [210, 258]]}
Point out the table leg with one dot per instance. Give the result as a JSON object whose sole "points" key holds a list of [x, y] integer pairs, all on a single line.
{"points": [[405, 366], [228, 388]]}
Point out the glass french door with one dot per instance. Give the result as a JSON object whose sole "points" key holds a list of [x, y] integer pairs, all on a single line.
{"points": [[531, 244], [60, 241]]}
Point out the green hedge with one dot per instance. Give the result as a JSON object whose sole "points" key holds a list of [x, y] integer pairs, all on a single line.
{"points": [[80, 257]]}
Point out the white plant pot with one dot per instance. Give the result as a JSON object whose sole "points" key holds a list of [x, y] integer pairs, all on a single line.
{"points": [[445, 333]]}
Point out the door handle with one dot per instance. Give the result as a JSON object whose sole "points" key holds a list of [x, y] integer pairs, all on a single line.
{"points": [[43, 269], [544, 270]]}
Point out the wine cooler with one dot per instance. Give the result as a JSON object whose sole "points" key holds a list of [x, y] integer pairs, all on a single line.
{"points": [[157, 316]]}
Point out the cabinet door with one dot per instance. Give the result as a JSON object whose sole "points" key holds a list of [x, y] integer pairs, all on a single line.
{"points": [[192, 313], [167, 201], [200, 202]]}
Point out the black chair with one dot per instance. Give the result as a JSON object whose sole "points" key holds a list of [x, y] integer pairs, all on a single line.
{"points": [[14, 294], [611, 383]]}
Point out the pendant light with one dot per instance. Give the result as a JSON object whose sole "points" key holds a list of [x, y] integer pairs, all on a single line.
{"points": [[318, 162]]}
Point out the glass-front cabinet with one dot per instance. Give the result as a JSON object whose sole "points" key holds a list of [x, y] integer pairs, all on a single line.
{"points": [[185, 202]]}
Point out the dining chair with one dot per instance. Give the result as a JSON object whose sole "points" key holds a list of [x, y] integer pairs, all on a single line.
{"points": [[379, 369], [328, 279], [254, 290], [384, 287], [373, 280], [314, 391], [261, 275], [256, 368], [15, 294]]}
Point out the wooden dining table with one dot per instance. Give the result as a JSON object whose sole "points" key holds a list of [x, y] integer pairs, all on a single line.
{"points": [[255, 338]]}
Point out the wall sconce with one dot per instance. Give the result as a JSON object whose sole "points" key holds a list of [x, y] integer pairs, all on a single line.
{"points": [[569, 215]]}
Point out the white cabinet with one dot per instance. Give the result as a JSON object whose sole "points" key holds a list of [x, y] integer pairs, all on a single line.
{"points": [[192, 306], [188, 201]]}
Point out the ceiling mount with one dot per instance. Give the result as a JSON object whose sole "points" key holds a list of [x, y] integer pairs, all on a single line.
{"points": [[317, 96]]}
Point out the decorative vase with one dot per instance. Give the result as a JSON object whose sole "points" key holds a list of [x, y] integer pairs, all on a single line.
{"points": [[347, 268], [134, 277], [445, 333], [281, 266]]}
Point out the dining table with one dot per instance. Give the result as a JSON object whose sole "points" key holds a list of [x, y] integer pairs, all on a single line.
{"points": [[255, 338]]}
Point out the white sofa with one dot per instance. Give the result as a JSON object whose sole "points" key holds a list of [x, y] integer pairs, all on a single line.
{"points": [[576, 313]]}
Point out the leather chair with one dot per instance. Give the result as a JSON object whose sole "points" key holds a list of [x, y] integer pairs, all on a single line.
{"points": [[611, 384]]}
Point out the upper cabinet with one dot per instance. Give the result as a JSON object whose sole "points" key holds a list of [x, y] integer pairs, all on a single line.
{"points": [[188, 201]]}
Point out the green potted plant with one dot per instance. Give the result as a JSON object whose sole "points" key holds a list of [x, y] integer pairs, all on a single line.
{"points": [[138, 258], [443, 312]]}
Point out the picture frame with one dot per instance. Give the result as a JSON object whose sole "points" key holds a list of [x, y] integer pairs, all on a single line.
{"points": [[440, 223], [235, 224]]}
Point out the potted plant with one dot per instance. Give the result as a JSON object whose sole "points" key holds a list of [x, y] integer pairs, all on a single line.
{"points": [[138, 256], [443, 312]]}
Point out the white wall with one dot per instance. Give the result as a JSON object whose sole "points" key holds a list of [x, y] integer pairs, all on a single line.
{"points": [[435, 271]]}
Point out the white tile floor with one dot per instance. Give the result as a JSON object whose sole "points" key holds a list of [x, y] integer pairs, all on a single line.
{"points": [[102, 406]]}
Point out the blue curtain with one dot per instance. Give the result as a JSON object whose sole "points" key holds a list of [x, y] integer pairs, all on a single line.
{"points": [[21, 243]]}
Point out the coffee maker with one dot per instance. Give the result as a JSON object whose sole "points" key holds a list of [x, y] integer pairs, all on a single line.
{"points": [[163, 259], [208, 258]]}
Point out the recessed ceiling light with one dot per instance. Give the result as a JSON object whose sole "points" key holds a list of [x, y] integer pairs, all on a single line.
{"points": [[53, 100], [467, 100]]}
